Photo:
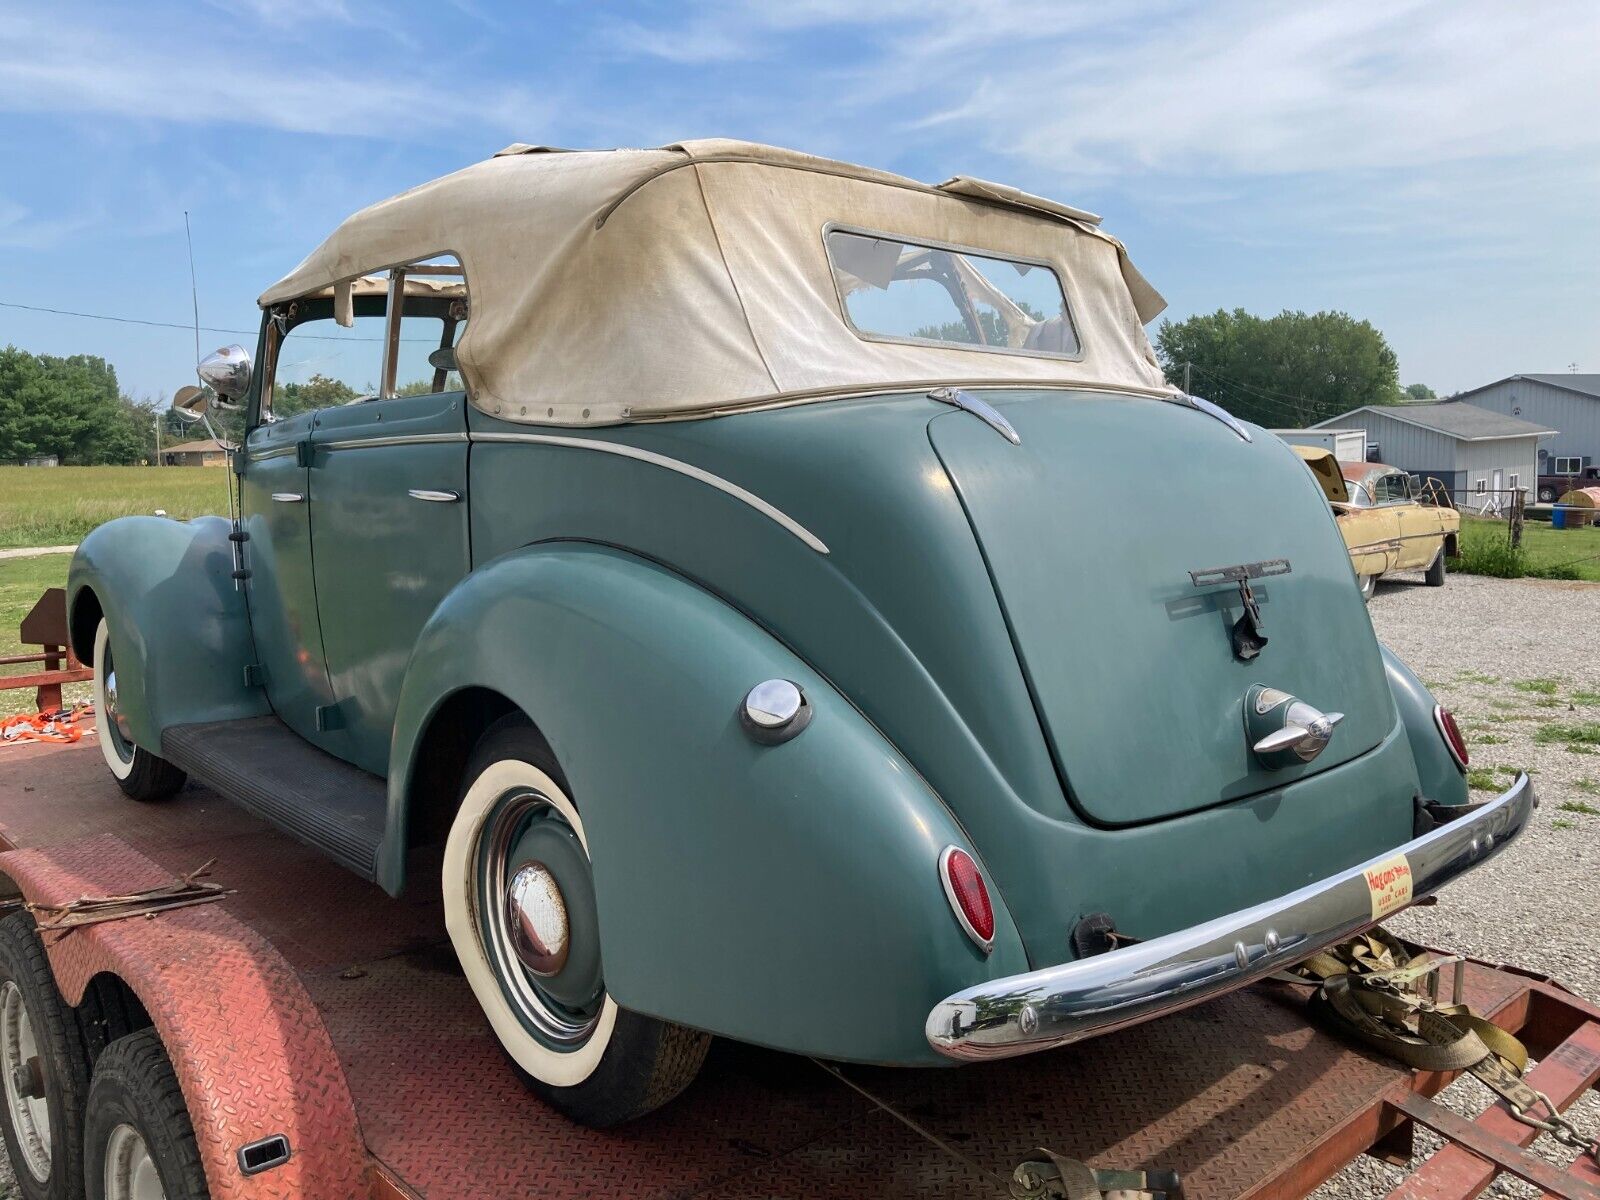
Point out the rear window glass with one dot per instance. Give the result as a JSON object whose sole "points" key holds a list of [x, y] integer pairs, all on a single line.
{"points": [[904, 291]]}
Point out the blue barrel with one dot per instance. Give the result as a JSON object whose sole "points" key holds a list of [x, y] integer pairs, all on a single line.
{"points": [[1558, 517]]}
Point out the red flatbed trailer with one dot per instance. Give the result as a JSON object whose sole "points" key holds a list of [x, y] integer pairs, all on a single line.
{"points": [[308, 1004]]}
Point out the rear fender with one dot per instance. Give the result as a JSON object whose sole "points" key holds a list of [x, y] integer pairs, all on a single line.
{"points": [[1442, 781], [179, 629], [786, 895]]}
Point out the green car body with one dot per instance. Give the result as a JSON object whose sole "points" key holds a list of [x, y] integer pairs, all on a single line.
{"points": [[1002, 650]]}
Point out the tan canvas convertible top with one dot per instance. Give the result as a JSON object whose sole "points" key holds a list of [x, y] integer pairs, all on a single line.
{"points": [[624, 285]]}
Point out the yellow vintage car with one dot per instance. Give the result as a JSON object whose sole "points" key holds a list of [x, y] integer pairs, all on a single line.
{"points": [[1390, 520]]}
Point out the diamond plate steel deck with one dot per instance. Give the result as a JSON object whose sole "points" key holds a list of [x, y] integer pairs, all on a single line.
{"points": [[1241, 1095]]}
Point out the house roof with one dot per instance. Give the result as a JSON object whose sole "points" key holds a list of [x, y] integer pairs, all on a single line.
{"points": [[1584, 385], [203, 446], [1453, 418]]}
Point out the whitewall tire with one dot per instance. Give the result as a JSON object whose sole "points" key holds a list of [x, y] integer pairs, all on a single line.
{"points": [[140, 774], [521, 910]]}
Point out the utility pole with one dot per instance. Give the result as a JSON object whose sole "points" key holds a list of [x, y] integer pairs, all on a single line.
{"points": [[1186, 390], [158, 418]]}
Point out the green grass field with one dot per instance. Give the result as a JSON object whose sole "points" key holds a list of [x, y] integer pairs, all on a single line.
{"points": [[21, 582], [56, 506], [1543, 547]]}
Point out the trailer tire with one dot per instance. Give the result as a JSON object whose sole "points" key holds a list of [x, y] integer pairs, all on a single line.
{"points": [[44, 1134], [138, 1127], [1436, 570], [568, 1040], [140, 774]]}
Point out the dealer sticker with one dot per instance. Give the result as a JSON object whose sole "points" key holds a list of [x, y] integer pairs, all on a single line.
{"points": [[1389, 885]]}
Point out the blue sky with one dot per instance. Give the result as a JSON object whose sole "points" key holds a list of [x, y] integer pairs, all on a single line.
{"points": [[1433, 167]]}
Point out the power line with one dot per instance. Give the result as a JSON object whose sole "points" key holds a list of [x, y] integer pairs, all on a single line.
{"points": [[67, 312]]}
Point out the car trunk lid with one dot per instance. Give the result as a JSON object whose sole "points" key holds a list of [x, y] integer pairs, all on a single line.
{"points": [[1090, 529]]}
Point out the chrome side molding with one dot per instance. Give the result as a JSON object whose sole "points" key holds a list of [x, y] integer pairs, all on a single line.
{"points": [[1200, 404], [982, 409]]}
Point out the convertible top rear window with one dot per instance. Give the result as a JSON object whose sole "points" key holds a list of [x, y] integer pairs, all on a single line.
{"points": [[924, 293]]}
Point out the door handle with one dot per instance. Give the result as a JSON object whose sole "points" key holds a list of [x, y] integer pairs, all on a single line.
{"points": [[439, 497], [287, 497]]}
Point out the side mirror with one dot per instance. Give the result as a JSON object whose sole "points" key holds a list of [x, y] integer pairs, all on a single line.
{"points": [[227, 372], [189, 404]]}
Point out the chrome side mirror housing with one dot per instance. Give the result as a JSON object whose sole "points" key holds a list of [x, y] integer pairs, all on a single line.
{"points": [[189, 404], [227, 373]]}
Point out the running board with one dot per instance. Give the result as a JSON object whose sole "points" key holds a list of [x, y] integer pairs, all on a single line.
{"points": [[263, 765]]}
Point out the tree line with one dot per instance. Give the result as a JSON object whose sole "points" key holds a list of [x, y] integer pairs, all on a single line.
{"points": [[1294, 369], [73, 409]]}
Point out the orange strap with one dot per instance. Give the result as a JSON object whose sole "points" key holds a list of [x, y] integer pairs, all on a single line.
{"points": [[60, 726]]}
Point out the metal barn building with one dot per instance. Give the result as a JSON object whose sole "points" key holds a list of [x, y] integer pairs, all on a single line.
{"points": [[1472, 451], [1568, 403]]}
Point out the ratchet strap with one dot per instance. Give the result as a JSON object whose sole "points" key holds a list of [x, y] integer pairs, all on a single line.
{"points": [[1371, 986], [61, 725], [1058, 1178]]}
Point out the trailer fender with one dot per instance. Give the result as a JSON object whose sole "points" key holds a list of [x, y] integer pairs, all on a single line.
{"points": [[782, 894], [252, 1056], [1442, 781], [179, 627]]}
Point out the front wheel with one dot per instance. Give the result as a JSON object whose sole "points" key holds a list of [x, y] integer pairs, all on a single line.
{"points": [[1369, 586], [520, 906], [1547, 495], [139, 773], [1435, 574]]}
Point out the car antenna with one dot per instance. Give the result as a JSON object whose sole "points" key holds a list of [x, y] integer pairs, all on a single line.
{"points": [[235, 504]]}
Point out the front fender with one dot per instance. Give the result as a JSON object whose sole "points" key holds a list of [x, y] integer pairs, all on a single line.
{"points": [[785, 895], [180, 632], [1442, 781]]}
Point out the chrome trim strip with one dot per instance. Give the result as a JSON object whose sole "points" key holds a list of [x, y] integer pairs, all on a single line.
{"points": [[1200, 404], [982, 409], [670, 464], [1091, 996], [274, 452], [398, 439], [438, 496]]}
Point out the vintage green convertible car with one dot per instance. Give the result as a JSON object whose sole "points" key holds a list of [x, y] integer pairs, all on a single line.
{"points": [[719, 556]]}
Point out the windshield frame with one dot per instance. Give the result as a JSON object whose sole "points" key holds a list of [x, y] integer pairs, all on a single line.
{"points": [[1068, 304]]}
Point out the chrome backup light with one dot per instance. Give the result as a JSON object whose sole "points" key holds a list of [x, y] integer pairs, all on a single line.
{"points": [[1451, 733], [774, 711], [968, 896]]}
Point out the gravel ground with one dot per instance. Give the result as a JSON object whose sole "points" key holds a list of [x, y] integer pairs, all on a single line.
{"points": [[1515, 660], [1509, 658]]}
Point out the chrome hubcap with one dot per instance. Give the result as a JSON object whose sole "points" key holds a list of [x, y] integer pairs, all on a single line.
{"points": [[24, 1083], [536, 917], [130, 1171]]}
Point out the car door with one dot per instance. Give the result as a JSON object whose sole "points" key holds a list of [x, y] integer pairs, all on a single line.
{"points": [[1421, 532], [388, 484], [281, 588]]}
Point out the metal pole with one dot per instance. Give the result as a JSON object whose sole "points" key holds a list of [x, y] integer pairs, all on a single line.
{"points": [[158, 439], [1186, 367]]}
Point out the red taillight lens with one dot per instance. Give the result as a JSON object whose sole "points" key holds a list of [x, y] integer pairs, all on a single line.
{"points": [[968, 895], [1451, 732]]}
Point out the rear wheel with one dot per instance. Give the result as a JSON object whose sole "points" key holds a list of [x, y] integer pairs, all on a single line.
{"points": [[45, 1069], [139, 773], [520, 908], [1436, 570], [1369, 586], [1547, 495], [138, 1141]]}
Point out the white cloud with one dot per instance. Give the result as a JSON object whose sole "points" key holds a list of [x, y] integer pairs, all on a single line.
{"points": [[54, 67]]}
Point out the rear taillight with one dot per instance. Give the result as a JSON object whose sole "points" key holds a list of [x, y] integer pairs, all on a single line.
{"points": [[968, 895], [1451, 733]]}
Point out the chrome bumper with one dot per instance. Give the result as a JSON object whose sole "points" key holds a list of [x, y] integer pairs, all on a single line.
{"points": [[1023, 1013]]}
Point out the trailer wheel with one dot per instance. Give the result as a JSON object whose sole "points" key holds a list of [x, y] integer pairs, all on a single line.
{"points": [[45, 1069], [520, 908], [138, 1142], [140, 774], [1436, 570]]}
